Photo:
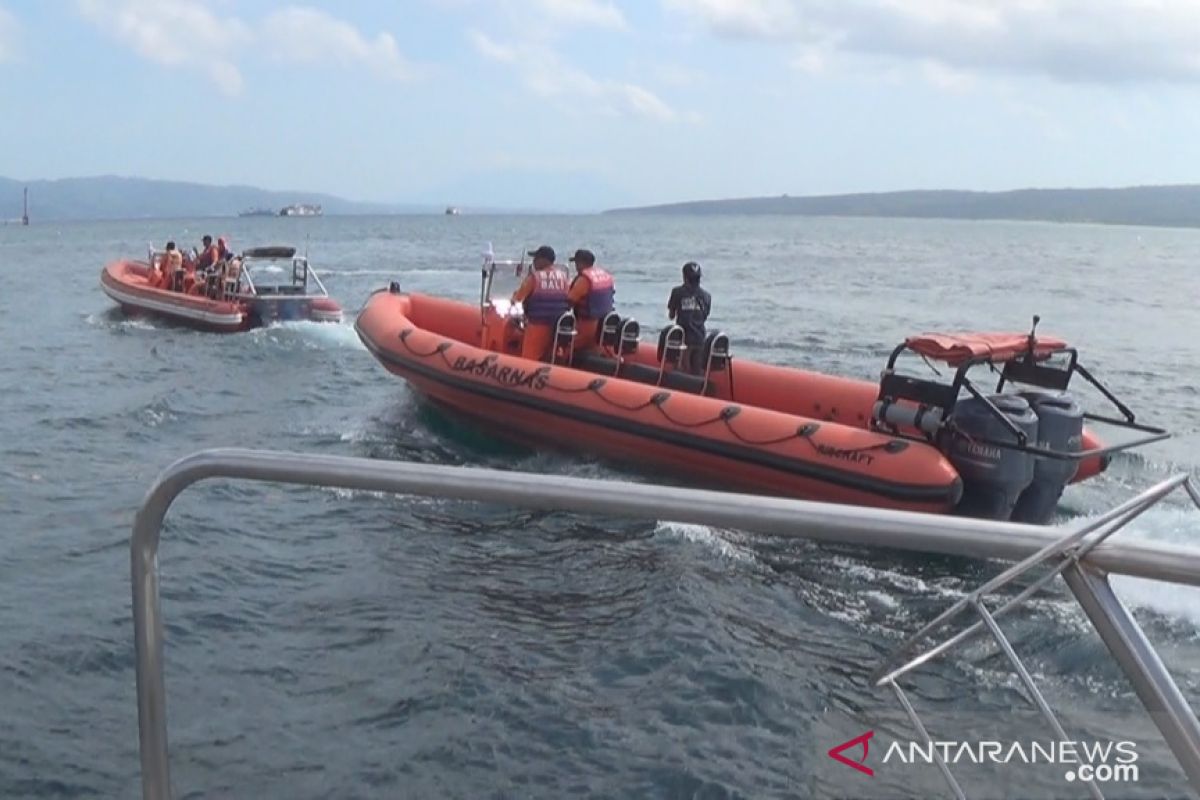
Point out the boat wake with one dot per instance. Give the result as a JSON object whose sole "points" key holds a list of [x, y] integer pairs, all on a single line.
{"points": [[370, 273], [115, 319], [316, 335], [1175, 525]]}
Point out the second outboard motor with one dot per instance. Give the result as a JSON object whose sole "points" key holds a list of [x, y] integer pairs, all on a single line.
{"points": [[1060, 427], [993, 477]]}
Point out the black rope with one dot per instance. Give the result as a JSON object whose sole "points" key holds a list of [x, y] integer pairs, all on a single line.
{"points": [[760, 442], [700, 424], [623, 407], [658, 400], [440, 349]]}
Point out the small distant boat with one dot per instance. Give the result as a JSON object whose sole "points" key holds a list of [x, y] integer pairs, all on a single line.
{"points": [[247, 291], [301, 210], [257, 212], [452, 211]]}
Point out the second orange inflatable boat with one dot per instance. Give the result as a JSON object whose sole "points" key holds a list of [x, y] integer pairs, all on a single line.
{"points": [[903, 443]]}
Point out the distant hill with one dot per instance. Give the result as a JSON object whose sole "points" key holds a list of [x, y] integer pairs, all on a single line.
{"points": [[1175, 206], [112, 197]]}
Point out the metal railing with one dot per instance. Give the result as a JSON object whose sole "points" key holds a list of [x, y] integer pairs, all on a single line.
{"points": [[1079, 552]]}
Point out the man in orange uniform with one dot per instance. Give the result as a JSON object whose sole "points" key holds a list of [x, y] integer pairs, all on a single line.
{"points": [[591, 296], [544, 295]]}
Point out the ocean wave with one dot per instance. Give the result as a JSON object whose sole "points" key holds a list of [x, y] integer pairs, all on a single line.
{"points": [[717, 541]]}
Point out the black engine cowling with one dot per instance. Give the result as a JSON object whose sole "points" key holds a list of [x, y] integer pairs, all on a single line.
{"points": [[993, 477], [1060, 427]]}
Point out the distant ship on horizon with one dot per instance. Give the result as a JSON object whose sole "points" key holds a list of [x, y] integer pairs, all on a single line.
{"points": [[257, 212], [301, 210], [452, 211]]}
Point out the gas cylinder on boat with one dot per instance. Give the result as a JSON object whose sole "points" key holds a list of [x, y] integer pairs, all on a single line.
{"points": [[1060, 428], [993, 477]]}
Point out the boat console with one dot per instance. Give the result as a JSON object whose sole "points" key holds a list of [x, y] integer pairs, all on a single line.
{"points": [[615, 349], [277, 284]]}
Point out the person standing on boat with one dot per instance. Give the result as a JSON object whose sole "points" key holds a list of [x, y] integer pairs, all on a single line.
{"points": [[544, 295], [688, 307], [591, 296], [208, 254]]}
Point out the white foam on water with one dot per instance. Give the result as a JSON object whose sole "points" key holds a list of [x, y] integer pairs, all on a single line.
{"points": [[357, 273], [120, 323], [883, 598], [706, 536], [137, 324], [435, 271], [1175, 525], [336, 334], [885, 578], [350, 494]]}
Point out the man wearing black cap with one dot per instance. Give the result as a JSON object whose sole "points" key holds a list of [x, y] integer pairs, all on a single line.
{"points": [[688, 308], [591, 296], [544, 295]]}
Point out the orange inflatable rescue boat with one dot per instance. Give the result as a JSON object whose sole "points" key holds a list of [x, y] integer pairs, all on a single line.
{"points": [[906, 442], [261, 286]]}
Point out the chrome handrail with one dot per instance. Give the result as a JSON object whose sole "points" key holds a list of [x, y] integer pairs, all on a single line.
{"points": [[1086, 575]]}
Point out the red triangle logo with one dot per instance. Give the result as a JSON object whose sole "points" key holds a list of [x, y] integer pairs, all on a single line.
{"points": [[859, 764]]}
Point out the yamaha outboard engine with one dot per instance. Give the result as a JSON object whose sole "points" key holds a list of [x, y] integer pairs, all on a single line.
{"points": [[993, 477], [1060, 427]]}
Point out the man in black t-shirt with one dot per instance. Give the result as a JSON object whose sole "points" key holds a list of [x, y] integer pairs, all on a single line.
{"points": [[688, 308]]}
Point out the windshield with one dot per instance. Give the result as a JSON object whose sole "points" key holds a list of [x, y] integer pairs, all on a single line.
{"points": [[506, 277]]}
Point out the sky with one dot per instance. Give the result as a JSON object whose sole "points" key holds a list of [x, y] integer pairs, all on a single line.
{"points": [[603, 102]]}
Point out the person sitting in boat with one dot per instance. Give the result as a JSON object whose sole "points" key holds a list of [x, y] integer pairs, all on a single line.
{"points": [[544, 295], [172, 269], [688, 307], [223, 251], [591, 296]]}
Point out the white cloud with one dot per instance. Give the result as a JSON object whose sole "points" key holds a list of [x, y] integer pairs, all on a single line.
{"points": [[1103, 41], [490, 48], [758, 19], [174, 33], [947, 78], [306, 35], [543, 19], [188, 34], [548, 76], [810, 60], [589, 13], [552, 78], [678, 75], [9, 35]]}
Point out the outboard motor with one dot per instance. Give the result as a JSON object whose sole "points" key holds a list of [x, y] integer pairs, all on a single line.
{"points": [[1060, 427], [993, 477]]}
